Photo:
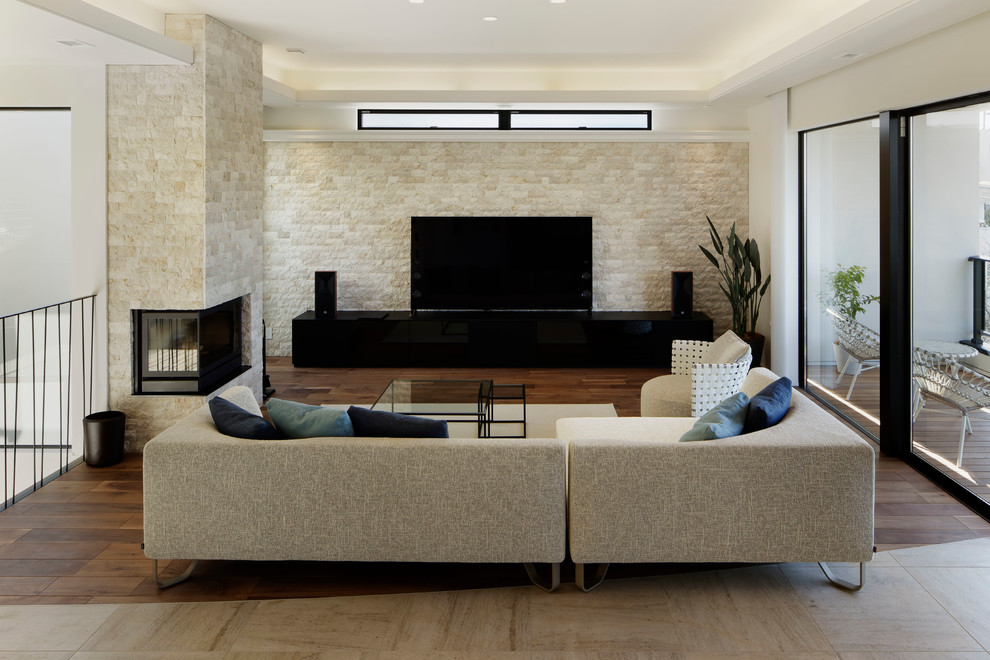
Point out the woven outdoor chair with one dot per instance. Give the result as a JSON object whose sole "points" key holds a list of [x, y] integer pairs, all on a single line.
{"points": [[945, 380], [860, 342]]}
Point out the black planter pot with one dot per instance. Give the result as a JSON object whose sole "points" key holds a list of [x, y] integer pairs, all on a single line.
{"points": [[756, 342], [103, 438]]}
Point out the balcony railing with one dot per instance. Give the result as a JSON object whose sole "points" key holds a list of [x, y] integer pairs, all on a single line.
{"points": [[46, 357], [981, 305]]}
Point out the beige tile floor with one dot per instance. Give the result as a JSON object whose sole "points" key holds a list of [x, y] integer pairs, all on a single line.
{"points": [[927, 602]]}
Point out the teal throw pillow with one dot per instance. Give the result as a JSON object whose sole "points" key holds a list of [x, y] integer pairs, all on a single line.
{"points": [[769, 405], [723, 421], [301, 420], [234, 421]]}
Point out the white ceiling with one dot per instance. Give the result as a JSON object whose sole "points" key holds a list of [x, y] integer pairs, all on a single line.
{"points": [[596, 51], [30, 35], [700, 36]]}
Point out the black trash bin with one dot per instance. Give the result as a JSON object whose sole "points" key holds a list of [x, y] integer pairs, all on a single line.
{"points": [[103, 438]]}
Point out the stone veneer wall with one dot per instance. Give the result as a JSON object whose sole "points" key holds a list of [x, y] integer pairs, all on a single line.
{"points": [[185, 180], [345, 206]]}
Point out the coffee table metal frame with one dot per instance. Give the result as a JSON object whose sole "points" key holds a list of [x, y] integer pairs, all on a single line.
{"points": [[453, 401], [507, 392]]}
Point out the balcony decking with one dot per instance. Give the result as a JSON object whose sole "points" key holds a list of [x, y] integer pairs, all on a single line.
{"points": [[935, 432]]}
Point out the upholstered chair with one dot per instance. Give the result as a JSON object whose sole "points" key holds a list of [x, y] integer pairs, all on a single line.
{"points": [[703, 373]]}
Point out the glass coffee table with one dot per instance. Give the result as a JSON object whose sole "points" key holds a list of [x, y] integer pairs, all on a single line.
{"points": [[456, 401]]}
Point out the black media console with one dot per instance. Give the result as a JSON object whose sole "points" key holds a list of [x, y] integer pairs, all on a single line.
{"points": [[491, 339]]}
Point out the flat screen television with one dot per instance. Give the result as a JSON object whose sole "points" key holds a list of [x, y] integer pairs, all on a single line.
{"points": [[501, 263]]}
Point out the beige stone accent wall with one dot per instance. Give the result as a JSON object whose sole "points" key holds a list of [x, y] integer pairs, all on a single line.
{"points": [[345, 206], [185, 180]]}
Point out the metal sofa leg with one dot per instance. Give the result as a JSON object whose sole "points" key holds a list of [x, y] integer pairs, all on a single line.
{"points": [[534, 577], [164, 584], [845, 584], [580, 578]]}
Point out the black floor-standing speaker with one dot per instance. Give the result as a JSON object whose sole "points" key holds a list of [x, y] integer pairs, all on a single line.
{"points": [[326, 293], [681, 293]]}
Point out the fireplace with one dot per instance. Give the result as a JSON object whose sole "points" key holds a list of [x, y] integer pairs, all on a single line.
{"points": [[187, 351]]}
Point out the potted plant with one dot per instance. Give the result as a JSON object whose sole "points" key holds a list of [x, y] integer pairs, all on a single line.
{"points": [[842, 295], [843, 290], [738, 263]]}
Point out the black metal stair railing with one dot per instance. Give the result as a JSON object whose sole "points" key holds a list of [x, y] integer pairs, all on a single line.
{"points": [[46, 358]]}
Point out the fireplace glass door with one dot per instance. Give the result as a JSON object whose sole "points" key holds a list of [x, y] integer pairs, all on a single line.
{"points": [[187, 351]]}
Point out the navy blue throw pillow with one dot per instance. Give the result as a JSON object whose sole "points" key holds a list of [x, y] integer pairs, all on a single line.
{"points": [[769, 405], [233, 420], [383, 424]]}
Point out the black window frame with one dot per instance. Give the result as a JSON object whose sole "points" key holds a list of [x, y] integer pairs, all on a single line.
{"points": [[896, 273], [899, 271], [802, 277], [504, 119]]}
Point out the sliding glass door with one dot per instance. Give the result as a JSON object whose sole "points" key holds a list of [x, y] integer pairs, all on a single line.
{"points": [[950, 238], [841, 269]]}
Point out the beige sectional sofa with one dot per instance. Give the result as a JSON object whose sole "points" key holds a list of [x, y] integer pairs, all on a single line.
{"points": [[623, 489], [210, 496], [800, 491]]}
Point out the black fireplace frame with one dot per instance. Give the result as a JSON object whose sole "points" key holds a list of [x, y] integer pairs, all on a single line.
{"points": [[204, 371]]}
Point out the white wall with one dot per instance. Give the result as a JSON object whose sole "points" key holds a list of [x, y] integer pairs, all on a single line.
{"points": [[35, 208], [83, 90], [943, 65], [760, 209], [946, 213], [774, 222]]}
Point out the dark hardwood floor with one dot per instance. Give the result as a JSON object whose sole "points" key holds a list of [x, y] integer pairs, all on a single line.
{"points": [[619, 387], [78, 539]]}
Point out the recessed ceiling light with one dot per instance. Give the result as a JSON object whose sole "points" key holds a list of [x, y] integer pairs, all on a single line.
{"points": [[295, 50], [557, 2], [74, 43], [417, 2], [490, 19]]}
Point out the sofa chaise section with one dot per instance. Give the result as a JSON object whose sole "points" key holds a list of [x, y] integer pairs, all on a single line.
{"points": [[210, 496], [801, 491]]}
